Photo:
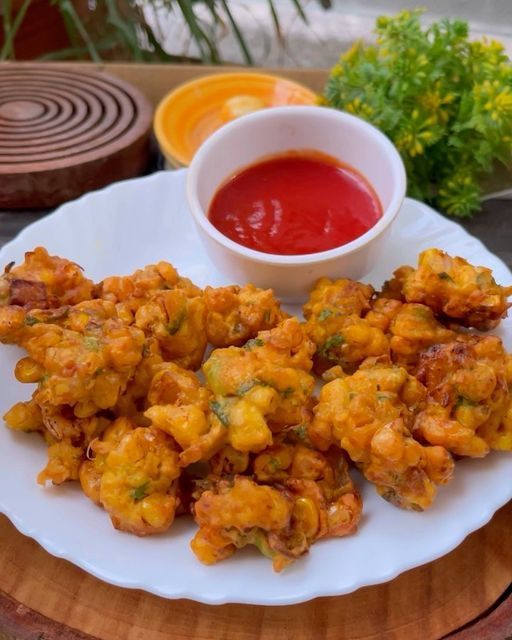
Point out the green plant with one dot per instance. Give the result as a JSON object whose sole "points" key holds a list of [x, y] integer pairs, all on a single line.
{"points": [[445, 101], [122, 28]]}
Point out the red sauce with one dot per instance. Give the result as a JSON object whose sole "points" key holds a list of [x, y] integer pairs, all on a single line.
{"points": [[296, 203]]}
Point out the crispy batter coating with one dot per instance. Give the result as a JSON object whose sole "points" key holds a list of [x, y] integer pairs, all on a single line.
{"points": [[253, 391], [344, 297], [468, 396], [413, 329], [248, 453], [370, 415], [88, 371], [312, 497], [334, 323], [44, 282], [177, 321], [278, 360], [138, 483], [236, 314], [452, 287]]}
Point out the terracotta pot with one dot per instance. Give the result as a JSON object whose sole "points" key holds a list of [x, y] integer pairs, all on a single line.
{"points": [[41, 31]]}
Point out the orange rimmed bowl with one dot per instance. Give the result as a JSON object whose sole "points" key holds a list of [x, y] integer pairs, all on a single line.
{"points": [[193, 111]]}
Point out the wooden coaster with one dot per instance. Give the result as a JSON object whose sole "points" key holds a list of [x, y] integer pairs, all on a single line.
{"points": [[64, 131], [43, 597]]}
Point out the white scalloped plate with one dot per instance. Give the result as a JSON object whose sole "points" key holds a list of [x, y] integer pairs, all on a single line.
{"points": [[137, 222]]}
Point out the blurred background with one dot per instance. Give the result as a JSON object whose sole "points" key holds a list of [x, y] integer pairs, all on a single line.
{"points": [[273, 33]]}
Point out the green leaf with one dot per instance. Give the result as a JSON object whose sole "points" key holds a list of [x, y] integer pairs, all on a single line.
{"points": [[91, 343], [140, 492], [174, 326], [331, 343], [324, 314], [254, 342], [219, 410], [30, 321]]}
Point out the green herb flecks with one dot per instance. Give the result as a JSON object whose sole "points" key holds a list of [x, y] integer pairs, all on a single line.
{"points": [[30, 321], [91, 343], [245, 387], [140, 492], [219, 410], [324, 314], [444, 276], [254, 342], [328, 345], [175, 324], [462, 401]]}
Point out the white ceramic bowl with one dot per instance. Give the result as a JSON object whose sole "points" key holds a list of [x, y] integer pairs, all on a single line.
{"points": [[252, 137]]}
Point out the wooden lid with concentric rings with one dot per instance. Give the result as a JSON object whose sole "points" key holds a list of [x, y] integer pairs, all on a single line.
{"points": [[65, 131]]}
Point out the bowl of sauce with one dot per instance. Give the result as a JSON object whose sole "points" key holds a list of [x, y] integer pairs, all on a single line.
{"points": [[284, 196], [295, 203]]}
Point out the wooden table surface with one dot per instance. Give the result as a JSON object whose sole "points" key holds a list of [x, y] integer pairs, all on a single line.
{"points": [[493, 225]]}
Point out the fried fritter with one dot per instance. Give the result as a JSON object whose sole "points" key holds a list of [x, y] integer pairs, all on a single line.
{"points": [[333, 313], [413, 329], [85, 370], [370, 415], [452, 287], [43, 282], [236, 314], [138, 482], [468, 395], [312, 500], [253, 391], [177, 321]]}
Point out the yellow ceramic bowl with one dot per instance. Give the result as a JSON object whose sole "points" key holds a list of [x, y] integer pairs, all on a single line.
{"points": [[194, 110]]}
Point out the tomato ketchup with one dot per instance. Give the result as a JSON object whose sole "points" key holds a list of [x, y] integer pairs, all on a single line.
{"points": [[295, 203]]}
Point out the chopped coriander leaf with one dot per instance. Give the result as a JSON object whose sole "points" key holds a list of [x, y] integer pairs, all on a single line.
{"points": [[140, 492], [250, 384], [301, 431], [274, 464], [324, 314], [462, 401], [175, 324], [287, 392], [30, 321], [330, 343], [220, 411], [444, 276], [91, 343], [267, 315], [255, 342]]}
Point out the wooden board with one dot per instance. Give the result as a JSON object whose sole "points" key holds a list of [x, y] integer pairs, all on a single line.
{"points": [[65, 131], [42, 597]]}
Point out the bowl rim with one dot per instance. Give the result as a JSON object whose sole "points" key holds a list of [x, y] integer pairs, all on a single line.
{"points": [[388, 215], [168, 148]]}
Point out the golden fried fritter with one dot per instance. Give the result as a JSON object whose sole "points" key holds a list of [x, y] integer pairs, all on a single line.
{"points": [[68, 438], [44, 282], [370, 415], [236, 314], [277, 360], [312, 497], [252, 391], [334, 324], [413, 329], [138, 484], [469, 397], [454, 288], [177, 321], [88, 370], [339, 297]]}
